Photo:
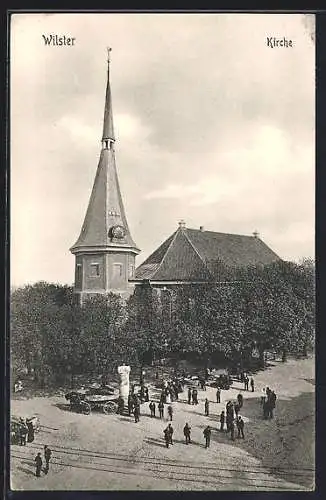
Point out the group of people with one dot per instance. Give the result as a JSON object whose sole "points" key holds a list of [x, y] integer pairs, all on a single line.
{"points": [[152, 407], [133, 406], [170, 391], [168, 435], [39, 461], [268, 402], [192, 396], [232, 418], [26, 431], [245, 379]]}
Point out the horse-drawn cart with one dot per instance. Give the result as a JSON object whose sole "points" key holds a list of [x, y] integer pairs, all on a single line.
{"points": [[84, 401]]}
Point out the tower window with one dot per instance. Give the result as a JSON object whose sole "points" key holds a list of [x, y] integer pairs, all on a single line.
{"points": [[78, 273], [95, 270], [117, 270]]}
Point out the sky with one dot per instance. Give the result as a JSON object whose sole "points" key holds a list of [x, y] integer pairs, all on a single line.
{"points": [[212, 126]]}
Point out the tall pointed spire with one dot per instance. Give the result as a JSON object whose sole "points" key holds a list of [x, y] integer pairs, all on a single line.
{"points": [[108, 130], [105, 236]]}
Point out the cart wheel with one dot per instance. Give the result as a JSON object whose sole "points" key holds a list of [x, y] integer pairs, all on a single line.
{"points": [[110, 407], [86, 408]]}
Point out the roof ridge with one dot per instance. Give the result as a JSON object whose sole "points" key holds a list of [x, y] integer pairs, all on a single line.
{"points": [[167, 251], [193, 246], [219, 232]]}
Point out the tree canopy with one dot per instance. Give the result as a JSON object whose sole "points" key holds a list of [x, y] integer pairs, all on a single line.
{"points": [[267, 308]]}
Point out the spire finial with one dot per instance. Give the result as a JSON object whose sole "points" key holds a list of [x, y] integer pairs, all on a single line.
{"points": [[108, 132], [109, 50]]}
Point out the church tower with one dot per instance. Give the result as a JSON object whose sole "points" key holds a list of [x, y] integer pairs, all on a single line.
{"points": [[105, 251]]}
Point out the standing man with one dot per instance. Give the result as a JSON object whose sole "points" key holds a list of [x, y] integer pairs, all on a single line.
{"points": [[47, 457], [232, 428], [22, 432], [170, 433], [240, 400], [130, 404], [271, 401], [236, 409], [38, 463], [121, 405], [30, 431], [186, 432], [222, 420], [206, 407], [195, 396], [166, 437], [252, 384], [170, 412], [137, 413], [263, 396], [161, 408], [218, 395], [189, 396], [152, 407], [246, 382], [207, 434], [240, 426]]}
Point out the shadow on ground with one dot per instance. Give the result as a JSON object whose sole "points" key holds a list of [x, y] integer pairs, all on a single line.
{"points": [[284, 444], [62, 406], [29, 472]]}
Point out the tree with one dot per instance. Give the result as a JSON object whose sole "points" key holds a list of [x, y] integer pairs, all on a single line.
{"points": [[32, 319]]}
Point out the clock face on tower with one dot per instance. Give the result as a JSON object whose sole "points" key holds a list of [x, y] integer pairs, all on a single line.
{"points": [[118, 231]]}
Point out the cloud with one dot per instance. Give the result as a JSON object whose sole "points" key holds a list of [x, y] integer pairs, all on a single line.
{"points": [[211, 126]]}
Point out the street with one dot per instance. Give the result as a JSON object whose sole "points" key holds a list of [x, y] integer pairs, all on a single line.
{"points": [[111, 452]]}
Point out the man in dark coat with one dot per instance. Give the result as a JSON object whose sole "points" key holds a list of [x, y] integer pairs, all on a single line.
{"points": [[166, 437], [271, 403], [189, 396], [161, 409], [30, 431], [222, 420], [252, 384], [22, 432], [218, 395], [246, 383], [152, 407], [121, 405], [38, 463], [47, 457], [130, 404], [240, 400], [163, 396], [170, 412], [136, 400], [206, 407], [186, 432], [232, 429], [170, 431], [207, 435], [194, 397], [146, 394], [240, 426], [137, 413], [236, 409]]}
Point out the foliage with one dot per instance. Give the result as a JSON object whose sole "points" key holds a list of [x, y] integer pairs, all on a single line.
{"points": [[265, 308]]}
